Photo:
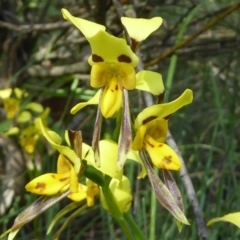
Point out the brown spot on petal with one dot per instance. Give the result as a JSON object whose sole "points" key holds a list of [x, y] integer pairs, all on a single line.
{"points": [[97, 58], [167, 159], [160, 145], [53, 176], [40, 185], [149, 119], [124, 58], [63, 179], [150, 144], [116, 87], [167, 117]]}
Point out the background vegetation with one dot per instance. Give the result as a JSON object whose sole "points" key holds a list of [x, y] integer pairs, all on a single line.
{"points": [[197, 47]]}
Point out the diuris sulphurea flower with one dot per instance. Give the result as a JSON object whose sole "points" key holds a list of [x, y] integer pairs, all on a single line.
{"points": [[113, 64], [152, 126]]}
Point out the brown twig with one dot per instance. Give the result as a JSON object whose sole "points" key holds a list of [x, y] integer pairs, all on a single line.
{"points": [[210, 24]]}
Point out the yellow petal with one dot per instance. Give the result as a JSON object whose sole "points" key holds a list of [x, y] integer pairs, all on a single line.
{"points": [[12, 131], [133, 155], [161, 154], [35, 107], [92, 191], [93, 100], [108, 158], [11, 106], [107, 48], [48, 184], [128, 77], [157, 129], [140, 28], [12, 234], [150, 81], [20, 93], [6, 93], [111, 99], [232, 218], [122, 194], [29, 138], [163, 110], [63, 165], [139, 138], [73, 180], [24, 116], [99, 76], [80, 194], [88, 29], [53, 139]]}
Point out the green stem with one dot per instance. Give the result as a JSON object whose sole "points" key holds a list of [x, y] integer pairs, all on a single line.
{"points": [[132, 224], [114, 210]]}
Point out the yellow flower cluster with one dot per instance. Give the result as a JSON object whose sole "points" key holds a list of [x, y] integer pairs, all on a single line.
{"points": [[113, 61]]}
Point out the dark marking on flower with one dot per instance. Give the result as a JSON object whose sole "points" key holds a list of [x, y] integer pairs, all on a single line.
{"points": [[167, 117], [53, 176], [167, 159], [149, 119], [160, 97], [124, 58], [134, 45], [97, 58], [150, 144], [40, 185], [160, 145], [63, 179], [116, 87]]}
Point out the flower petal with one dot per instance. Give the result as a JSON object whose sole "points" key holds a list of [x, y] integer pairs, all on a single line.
{"points": [[140, 28], [163, 110], [80, 194], [88, 29], [108, 158], [122, 194], [48, 184], [134, 155], [93, 100], [63, 165], [231, 217], [107, 48], [24, 116], [35, 107], [66, 151], [161, 154], [111, 99], [99, 75], [5, 93], [150, 81], [73, 180]]}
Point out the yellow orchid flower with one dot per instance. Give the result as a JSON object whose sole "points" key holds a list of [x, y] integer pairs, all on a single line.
{"points": [[122, 193], [11, 106], [53, 183], [152, 130], [113, 69], [108, 158], [28, 138], [11, 100], [112, 60], [68, 167], [88, 192]]}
